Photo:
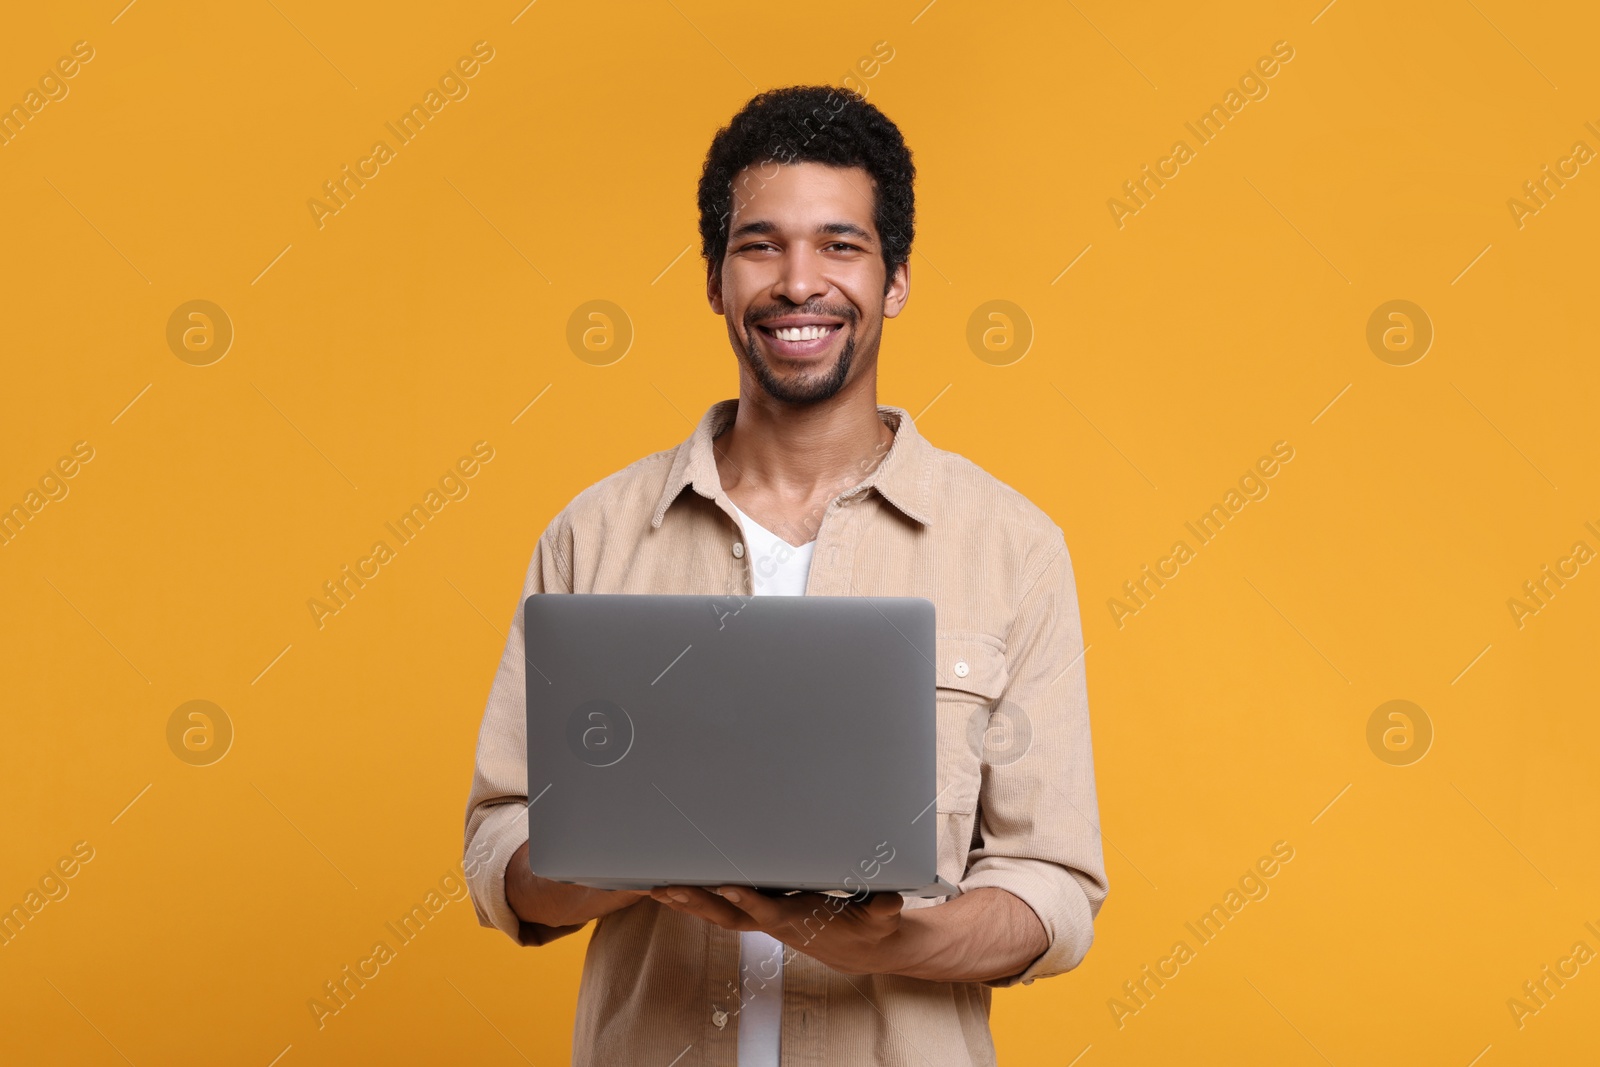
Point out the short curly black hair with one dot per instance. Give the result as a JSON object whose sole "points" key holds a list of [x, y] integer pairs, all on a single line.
{"points": [[811, 124]]}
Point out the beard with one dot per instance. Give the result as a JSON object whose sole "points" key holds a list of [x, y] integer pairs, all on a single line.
{"points": [[806, 388]]}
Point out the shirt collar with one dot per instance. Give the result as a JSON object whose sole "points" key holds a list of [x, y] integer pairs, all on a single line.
{"points": [[904, 478]]}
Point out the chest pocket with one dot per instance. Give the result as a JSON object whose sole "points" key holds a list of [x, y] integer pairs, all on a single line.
{"points": [[971, 675]]}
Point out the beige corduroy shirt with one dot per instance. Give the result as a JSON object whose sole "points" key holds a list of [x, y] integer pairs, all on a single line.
{"points": [[1016, 805]]}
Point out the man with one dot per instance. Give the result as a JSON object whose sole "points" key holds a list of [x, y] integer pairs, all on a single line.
{"points": [[806, 215]]}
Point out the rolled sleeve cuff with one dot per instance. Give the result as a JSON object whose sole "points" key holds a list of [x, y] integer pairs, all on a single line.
{"points": [[503, 832], [1055, 897]]}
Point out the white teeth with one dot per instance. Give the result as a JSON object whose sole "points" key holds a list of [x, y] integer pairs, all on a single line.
{"points": [[801, 333]]}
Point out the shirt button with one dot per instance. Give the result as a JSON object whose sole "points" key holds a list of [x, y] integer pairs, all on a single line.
{"points": [[962, 670], [738, 550], [719, 1018]]}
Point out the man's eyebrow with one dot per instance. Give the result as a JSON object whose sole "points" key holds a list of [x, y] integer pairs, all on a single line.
{"points": [[831, 229], [749, 228], [844, 229]]}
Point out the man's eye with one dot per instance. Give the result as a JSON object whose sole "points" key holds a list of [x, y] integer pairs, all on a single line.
{"points": [[843, 246]]}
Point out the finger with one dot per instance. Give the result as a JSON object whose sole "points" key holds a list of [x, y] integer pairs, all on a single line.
{"points": [[765, 911], [794, 920], [693, 900], [681, 896], [883, 905]]}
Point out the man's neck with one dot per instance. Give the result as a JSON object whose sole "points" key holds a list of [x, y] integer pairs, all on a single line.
{"points": [[789, 454]]}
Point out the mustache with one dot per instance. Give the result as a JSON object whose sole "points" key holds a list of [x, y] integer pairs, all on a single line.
{"points": [[754, 314]]}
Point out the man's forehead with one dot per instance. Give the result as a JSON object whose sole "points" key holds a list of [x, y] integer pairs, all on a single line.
{"points": [[806, 193]]}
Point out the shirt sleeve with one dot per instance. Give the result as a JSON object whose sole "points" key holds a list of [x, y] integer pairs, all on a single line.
{"points": [[497, 809], [1038, 816]]}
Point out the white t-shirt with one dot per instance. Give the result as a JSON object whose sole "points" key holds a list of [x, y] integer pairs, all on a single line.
{"points": [[777, 568]]}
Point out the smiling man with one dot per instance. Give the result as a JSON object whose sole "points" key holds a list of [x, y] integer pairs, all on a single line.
{"points": [[804, 484]]}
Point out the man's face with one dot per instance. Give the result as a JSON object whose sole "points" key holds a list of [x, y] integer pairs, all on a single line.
{"points": [[802, 283]]}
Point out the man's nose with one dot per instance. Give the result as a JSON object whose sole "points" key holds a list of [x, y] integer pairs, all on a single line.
{"points": [[802, 277]]}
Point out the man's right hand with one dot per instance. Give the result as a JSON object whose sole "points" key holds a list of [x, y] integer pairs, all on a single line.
{"points": [[557, 904]]}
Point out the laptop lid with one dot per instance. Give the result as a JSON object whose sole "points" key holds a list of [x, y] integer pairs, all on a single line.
{"points": [[786, 743]]}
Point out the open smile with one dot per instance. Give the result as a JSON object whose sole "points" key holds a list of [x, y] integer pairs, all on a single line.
{"points": [[799, 338]]}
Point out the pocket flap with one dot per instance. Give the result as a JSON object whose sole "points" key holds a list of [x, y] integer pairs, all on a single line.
{"points": [[972, 663]]}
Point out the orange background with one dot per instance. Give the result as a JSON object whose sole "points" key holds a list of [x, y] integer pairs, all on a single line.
{"points": [[1228, 314]]}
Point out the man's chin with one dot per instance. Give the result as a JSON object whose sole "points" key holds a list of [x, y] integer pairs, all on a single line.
{"points": [[794, 382], [808, 389]]}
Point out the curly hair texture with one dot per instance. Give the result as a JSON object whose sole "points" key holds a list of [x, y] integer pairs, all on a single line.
{"points": [[809, 124]]}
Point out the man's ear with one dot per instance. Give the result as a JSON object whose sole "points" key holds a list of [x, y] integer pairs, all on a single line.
{"points": [[894, 301], [714, 287]]}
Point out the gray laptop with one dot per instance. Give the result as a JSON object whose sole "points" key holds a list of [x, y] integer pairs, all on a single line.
{"points": [[781, 742]]}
